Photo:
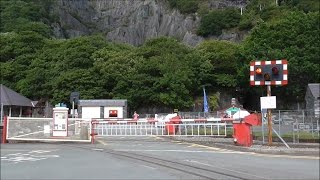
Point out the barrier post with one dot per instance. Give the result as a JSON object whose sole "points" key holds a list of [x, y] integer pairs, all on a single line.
{"points": [[4, 130], [92, 132]]}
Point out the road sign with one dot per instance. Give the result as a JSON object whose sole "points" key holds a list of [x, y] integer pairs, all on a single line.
{"points": [[268, 102], [74, 97]]}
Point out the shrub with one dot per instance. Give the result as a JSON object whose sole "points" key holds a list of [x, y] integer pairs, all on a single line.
{"points": [[185, 6], [215, 21]]}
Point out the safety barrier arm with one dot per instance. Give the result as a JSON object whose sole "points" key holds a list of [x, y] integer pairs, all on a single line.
{"points": [[151, 120]]}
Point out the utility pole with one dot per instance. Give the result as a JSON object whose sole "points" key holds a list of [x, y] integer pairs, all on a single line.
{"points": [[269, 119]]}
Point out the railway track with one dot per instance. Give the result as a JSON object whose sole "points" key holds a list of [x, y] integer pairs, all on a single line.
{"points": [[195, 171]]}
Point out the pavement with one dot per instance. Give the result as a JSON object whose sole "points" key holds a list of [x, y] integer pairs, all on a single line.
{"points": [[296, 149]]}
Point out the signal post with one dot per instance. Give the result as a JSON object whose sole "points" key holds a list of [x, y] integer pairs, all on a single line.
{"points": [[269, 73]]}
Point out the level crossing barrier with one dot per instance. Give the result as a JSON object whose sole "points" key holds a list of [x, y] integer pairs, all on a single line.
{"points": [[41, 129], [152, 127], [83, 130]]}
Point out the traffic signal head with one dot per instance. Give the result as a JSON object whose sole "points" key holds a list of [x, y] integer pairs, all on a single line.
{"points": [[269, 72]]}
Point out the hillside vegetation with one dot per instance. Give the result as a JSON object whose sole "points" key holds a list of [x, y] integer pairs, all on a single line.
{"points": [[163, 72]]}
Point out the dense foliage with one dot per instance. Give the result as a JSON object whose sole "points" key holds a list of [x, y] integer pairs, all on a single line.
{"points": [[163, 72], [215, 21], [185, 6]]}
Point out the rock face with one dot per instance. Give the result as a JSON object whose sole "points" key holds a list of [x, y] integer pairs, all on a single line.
{"points": [[127, 21]]}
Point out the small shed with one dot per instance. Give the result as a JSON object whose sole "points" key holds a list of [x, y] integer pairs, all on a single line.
{"points": [[13, 103], [312, 99], [103, 108]]}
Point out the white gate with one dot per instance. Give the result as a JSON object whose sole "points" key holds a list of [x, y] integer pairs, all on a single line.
{"points": [[41, 129], [186, 127], [84, 130]]}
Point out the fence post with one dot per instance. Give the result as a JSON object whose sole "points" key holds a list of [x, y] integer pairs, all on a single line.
{"points": [[318, 128], [4, 130]]}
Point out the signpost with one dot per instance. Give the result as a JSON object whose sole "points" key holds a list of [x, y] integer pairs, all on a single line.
{"points": [[74, 99], [269, 73]]}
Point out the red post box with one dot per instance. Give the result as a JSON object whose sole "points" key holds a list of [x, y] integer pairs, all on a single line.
{"points": [[242, 129]]}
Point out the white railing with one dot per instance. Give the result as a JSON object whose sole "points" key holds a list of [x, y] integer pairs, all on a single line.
{"points": [[154, 128]]}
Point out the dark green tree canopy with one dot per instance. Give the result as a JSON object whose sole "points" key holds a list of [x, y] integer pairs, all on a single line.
{"points": [[163, 72]]}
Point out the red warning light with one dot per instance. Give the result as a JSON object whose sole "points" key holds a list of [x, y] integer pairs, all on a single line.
{"points": [[275, 70], [259, 70]]}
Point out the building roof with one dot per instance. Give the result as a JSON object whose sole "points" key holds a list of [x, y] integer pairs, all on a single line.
{"points": [[103, 102], [8, 97], [314, 88]]}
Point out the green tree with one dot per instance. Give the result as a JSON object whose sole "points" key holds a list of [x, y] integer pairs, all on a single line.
{"points": [[17, 51], [223, 57], [215, 21], [18, 16], [56, 62], [295, 38], [113, 63]]}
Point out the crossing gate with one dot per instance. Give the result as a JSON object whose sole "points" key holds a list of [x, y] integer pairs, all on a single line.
{"points": [[41, 129], [85, 130], [151, 127]]}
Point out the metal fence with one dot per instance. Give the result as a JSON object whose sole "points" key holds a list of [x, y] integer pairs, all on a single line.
{"points": [[292, 125]]}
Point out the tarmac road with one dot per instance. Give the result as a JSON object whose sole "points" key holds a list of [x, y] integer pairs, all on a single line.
{"points": [[148, 158]]}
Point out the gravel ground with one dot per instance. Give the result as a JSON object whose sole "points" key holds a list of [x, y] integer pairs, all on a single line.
{"points": [[310, 149]]}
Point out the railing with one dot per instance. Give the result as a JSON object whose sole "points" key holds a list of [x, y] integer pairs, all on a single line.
{"points": [[187, 127]]}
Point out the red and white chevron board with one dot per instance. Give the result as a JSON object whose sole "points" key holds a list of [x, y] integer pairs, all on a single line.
{"points": [[284, 62]]}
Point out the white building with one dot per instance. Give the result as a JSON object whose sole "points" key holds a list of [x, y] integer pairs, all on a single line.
{"points": [[102, 108]]}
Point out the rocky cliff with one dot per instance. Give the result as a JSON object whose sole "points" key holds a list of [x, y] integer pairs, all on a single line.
{"points": [[129, 21]]}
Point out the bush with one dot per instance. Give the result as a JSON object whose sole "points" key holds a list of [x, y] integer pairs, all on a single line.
{"points": [[247, 21], [185, 6], [215, 21]]}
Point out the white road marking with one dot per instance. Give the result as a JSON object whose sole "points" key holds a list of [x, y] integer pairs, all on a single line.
{"points": [[225, 169], [148, 167], [102, 142], [34, 155], [39, 151], [97, 149]]}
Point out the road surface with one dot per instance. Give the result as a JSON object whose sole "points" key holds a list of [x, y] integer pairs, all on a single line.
{"points": [[147, 158]]}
